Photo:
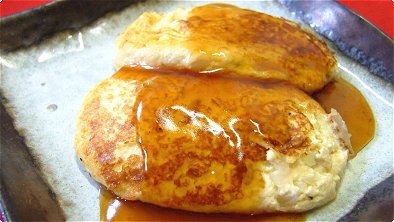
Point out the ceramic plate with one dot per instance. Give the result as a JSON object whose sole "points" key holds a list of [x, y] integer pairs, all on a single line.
{"points": [[43, 83]]}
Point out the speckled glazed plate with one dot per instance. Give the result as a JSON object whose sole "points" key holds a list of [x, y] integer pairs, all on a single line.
{"points": [[44, 80]]}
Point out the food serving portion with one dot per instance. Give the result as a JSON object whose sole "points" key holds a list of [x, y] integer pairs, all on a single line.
{"points": [[211, 111], [211, 144], [224, 37]]}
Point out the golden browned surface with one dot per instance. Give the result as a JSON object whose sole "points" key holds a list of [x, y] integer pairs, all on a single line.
{"points": [[199, 133], [104, 138], [241, 41], [187, 142]]}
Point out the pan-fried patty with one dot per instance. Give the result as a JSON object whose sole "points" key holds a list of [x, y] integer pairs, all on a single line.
{"points": [[211, 144], [240, 41]]}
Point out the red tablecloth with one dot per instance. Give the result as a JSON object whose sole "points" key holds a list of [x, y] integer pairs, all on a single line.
{"points": [[379, 12]]}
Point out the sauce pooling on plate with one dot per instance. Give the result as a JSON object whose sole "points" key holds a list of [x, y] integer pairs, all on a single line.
{"points": [[113, 208], [164, 104], [354, 110]]}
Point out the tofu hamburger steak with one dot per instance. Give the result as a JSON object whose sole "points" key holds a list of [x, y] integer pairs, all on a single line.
{"points": [[179, 137], [223, 37], [211, 144]]}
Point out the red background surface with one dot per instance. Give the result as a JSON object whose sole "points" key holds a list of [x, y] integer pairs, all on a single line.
{"points": [[378, 12]]}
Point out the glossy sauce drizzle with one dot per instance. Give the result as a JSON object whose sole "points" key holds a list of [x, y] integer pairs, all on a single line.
{"points": [[338, 94], [200, 133], [257, 45]]}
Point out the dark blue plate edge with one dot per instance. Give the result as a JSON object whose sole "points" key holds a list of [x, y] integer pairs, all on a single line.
{"points": [[351, 33]]}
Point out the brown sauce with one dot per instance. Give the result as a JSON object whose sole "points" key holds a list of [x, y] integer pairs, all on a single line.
{"points": [[340, 95], [354, 109], [113, 208]]}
